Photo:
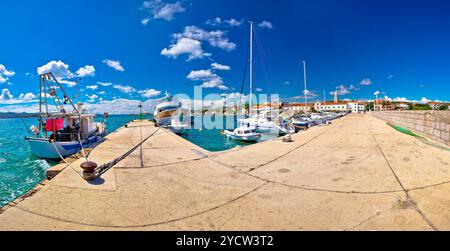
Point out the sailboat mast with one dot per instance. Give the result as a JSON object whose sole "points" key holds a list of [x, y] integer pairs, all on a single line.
{"points": [[304, 81], [251, 69]]}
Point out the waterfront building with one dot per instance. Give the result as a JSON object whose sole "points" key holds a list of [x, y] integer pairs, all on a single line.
{"points": [[357, 107], [298, 107], [339, 106], [436, 105]]}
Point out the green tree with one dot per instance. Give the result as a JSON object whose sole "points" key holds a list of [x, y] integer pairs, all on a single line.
{"points": [[443, 107], [422, 107]]}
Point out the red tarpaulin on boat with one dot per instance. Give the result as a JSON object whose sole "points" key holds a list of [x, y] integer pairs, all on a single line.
{"points": [[53, 125]]}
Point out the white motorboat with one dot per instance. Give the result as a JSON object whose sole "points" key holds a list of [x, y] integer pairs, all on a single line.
{"points": [[318, 119], [243, 133], [300, 123], [62, 133]]}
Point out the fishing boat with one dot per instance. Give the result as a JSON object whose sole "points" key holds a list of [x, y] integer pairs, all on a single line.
{"points": [[61, 133]]}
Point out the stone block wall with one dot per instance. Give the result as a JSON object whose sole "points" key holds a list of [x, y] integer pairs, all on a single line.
{"points": [[434, 125]]}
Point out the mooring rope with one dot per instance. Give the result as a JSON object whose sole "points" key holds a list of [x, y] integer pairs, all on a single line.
{"points": [[82, 149], [105, 167], [64, 160]]}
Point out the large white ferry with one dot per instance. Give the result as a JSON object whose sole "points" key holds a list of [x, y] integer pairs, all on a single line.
{"points": [[167, 108]]}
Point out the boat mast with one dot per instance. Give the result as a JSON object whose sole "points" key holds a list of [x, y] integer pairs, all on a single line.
{"points": [[251, 68], [304, 81]]}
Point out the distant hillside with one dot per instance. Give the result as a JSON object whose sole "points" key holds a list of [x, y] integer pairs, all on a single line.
{"points": [[18, 115]]}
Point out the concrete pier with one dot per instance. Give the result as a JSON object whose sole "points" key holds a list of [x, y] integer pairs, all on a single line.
{"points": [[356, 174]]}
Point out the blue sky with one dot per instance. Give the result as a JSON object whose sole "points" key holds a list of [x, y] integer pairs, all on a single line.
{"points": [[399, 48]]}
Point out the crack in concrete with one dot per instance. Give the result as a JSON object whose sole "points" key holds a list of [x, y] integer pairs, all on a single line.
{"points": [[288, 152], [144, 225], [409, 198], [363, 221]]}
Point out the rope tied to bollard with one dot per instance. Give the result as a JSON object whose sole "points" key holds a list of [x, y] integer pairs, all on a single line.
{"points": [[92, 171]]}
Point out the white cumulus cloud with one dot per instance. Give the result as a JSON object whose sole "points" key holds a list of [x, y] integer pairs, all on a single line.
{"points": [[85, 71], [6, 98], [210, 79], [221, 67], [68, 82], [232, 22], [149, 93], [214, 38], [59, 69], [5, 74], [161, 10], [27, 96], [145, 21], [424, 100], [215, 82], [125, 88], [91, 98], [114, 64], [265, 24], [342, 90], [366, 81], [200, 75], [104, 84], [188, 46], [92, 87], [6, 95]]}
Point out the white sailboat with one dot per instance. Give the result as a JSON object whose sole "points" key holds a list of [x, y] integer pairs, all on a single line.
{"points": [[263, 121], [245, 131]]}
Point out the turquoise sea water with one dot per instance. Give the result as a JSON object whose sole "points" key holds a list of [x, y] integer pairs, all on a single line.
{"points": [[211, 139], [20, 170]]}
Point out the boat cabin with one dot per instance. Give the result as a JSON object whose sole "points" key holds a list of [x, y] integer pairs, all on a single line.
{"points": [[67, 128]]}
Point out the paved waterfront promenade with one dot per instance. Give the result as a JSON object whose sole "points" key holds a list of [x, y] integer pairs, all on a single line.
{"points": [[357, 174]]}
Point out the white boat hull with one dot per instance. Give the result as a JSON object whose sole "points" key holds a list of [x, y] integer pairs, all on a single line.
{"points": [[45, 149], [247, 138], [178, 129]]}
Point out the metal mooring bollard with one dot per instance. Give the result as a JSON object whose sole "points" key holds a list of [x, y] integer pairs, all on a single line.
{"points": [[288, 139], [88, 170]]}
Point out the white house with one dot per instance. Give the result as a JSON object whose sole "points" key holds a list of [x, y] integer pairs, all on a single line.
{"points": [[356, 107]]}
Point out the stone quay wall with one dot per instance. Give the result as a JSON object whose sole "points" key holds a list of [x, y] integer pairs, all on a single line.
{"points": [[434, 125]]}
